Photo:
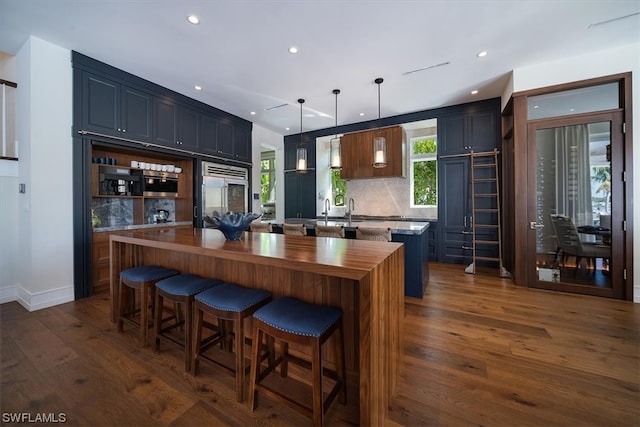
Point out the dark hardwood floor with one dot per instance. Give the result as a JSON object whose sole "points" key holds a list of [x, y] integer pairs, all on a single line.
{"points": [[478, 351]]}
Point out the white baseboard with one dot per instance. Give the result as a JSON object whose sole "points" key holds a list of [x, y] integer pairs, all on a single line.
{"points": [[45, 299], [8, 294]]}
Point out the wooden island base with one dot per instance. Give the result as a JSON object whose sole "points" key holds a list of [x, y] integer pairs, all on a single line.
{"points": [[365, 279]]}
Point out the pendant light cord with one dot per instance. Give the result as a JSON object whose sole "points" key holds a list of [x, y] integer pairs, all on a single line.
{"points": [[301, 101], [336, 92], [378, 81]]}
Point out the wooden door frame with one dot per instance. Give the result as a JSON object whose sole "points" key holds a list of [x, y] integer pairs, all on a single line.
{"points": [[615, 117], [517, 164]]}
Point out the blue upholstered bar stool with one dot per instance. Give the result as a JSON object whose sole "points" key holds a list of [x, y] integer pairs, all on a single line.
{"points": [[292, 321], [231, 303], [180, 289], [141, 279]]}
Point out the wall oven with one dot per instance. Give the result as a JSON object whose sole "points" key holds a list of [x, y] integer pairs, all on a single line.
{"points": [[224, 188], [159, 184]]}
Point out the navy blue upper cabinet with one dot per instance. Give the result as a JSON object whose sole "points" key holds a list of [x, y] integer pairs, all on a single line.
{"points": [[115, 109], [477, 131], [115, 103], [221, 137], [242, 143], [175, 125]]}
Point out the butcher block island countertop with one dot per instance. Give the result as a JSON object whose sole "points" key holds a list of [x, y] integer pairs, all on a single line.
{"points": [[364, 278]]}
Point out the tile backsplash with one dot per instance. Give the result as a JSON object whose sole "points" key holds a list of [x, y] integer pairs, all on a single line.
{"points": [[112, 212], [151, 207], [119, 211]]}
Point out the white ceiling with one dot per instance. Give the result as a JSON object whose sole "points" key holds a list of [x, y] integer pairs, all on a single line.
{"points": [[238, 53]]}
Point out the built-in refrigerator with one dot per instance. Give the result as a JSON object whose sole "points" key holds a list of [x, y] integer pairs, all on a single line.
{"points": [[224, 188]]}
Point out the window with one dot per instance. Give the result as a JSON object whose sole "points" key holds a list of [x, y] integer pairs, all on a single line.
{"points": [[423, 171], [338, 188], [268, 177]]}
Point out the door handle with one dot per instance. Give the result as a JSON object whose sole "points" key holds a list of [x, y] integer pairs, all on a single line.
{"points": [[195, 208], [534, 225]]}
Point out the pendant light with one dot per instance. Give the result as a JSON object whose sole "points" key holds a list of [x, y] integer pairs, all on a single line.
{"points": [[335, 156], [379, 142], [301, 152]]}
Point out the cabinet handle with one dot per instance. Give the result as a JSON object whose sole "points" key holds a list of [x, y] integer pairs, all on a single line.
{"points": [[119, 130], [124, 130], [195, 213], [465, 221], [466, 247]]}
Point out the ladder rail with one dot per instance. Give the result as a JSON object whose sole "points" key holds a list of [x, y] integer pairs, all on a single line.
{"points": [[497, 211]]}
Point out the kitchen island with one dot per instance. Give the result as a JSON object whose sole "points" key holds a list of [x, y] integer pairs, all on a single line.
{"points": [[365, 279], [413, 234]]}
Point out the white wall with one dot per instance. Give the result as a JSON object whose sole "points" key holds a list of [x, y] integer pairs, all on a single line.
{"points": [[598, 64], [262, 137], [45, 223]]}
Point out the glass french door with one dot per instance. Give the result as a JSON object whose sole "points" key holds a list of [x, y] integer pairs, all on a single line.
{"points": [[575, 204]]}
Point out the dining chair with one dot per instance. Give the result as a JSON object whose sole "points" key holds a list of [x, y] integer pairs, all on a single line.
{"points": [[329, 231], [294, 229], [569, 243], [379, 234]]}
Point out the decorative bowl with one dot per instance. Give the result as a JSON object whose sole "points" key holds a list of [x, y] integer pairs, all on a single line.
{"points": [[230, 224]]}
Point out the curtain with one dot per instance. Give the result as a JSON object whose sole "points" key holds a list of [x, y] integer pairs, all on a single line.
{"points": [[573, 174]]}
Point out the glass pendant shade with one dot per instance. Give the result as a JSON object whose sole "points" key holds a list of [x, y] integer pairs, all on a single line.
{"points": [[379, 152], [301, 152], [379, 142], [334, 154], [301, 160]]}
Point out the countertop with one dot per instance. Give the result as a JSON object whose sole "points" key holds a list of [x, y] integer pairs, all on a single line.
{"points": [[397, 227], [142, 226]]}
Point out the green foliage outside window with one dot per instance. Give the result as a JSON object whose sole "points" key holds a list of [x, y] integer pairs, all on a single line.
{"points": [[338, 188], [267, 179], [425, 183], [265, 188], [425, 146]]}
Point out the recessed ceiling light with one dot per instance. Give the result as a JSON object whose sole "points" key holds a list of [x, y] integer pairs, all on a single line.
{"points": [[196, 87], [572, 109], [193, 19], [482, 54], [473, 92], [287, 128], [253, 113], [362, 114], [293, 49], [536, 106]]}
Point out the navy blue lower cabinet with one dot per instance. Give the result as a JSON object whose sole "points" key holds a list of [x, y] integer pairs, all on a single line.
{"points": [[416, 262]]}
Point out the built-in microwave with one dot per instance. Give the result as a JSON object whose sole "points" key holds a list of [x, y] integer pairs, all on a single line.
{"points": [[159, 184]]}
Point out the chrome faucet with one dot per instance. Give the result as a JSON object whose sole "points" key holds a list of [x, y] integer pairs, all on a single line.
{"points": [[351, 206], [327, 208]]}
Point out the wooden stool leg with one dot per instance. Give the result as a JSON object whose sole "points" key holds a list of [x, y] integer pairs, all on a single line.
{"points": [[316, 373], [144, 304], [284, 367], [197, 339], [188, 319], [240, 363], [255, 367], [121, 300], [340, 372], [157, 321]]}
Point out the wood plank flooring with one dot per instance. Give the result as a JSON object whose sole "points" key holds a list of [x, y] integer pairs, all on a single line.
{"points": [[477, 351]]}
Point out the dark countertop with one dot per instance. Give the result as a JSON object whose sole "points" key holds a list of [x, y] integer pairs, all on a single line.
{"points": [[141, 226], [397, 226]]}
